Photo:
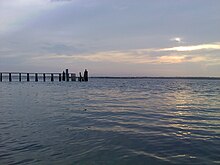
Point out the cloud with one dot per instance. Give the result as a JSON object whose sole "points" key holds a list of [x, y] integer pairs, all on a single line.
{"points": [[60, 0], [123, 57], [14, 14], [212, 46], [76, 52], [137, 56]]}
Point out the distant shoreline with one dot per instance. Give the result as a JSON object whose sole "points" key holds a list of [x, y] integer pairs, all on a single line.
{"points": [[193, 78]]}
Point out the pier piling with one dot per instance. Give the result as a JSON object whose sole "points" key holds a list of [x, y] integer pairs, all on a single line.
{"points": [[36, 77], [20, 77], [9, 77], [60, 77], [44, 77], [28, 77], [80, 77], [67, 75], [63, 76], [0, 77], [52, 79]]}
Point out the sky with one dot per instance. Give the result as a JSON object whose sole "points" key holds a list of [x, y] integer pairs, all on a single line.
{"points": [[111, 37]]}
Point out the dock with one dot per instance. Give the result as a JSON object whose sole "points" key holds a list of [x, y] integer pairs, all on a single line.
{"points": [[64, 76]]}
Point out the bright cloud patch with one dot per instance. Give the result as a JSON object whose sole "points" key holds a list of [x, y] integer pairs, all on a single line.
{"points": [[125, 57], [214, 46]]}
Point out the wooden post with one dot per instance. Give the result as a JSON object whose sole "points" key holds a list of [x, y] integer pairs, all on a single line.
{"points": [[63, 76], [0, 77], [28, 77], [80, 77], [73, 77], [85, 75], [10, 79], [44, 77], [67, 75], [20, 77], [60, 77], [36, 77], [52, 79]]}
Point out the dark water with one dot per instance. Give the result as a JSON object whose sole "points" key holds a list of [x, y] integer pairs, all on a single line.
{"points": [[120, 122]]}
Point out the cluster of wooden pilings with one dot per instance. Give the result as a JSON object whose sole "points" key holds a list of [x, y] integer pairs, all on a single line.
{"points": [[23, 76]]}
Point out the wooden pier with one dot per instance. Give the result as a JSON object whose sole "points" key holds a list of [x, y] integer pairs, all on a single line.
{"points": [[24, 76]]}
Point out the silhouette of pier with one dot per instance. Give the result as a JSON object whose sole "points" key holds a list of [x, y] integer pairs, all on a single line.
{"points": [[28, 76]]}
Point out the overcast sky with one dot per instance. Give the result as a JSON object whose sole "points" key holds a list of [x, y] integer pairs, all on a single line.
{"points": [[111, 37]]}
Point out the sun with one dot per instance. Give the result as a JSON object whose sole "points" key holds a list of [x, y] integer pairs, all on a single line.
{"points": [[177, 39]]}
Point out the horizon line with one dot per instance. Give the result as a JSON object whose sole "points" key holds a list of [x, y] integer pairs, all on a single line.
{"points": [[156, 77]]}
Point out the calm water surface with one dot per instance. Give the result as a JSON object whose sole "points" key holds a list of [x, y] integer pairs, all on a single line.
{"points": [[110, 122]]}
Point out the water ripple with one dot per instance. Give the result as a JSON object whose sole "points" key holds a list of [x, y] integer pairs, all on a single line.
{"points": [[110, 122]]}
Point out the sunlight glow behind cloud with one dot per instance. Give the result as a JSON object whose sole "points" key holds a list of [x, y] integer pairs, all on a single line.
{"points": [[144, 56], [177, 39]]}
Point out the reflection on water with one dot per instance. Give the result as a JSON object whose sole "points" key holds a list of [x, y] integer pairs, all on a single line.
{"points": [[110, 122]]}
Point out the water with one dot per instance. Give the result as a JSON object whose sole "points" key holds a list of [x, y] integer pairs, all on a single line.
{"points": [[110, 121]]}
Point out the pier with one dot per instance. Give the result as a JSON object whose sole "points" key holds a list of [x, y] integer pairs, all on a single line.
{"points": [[43, 77]]}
